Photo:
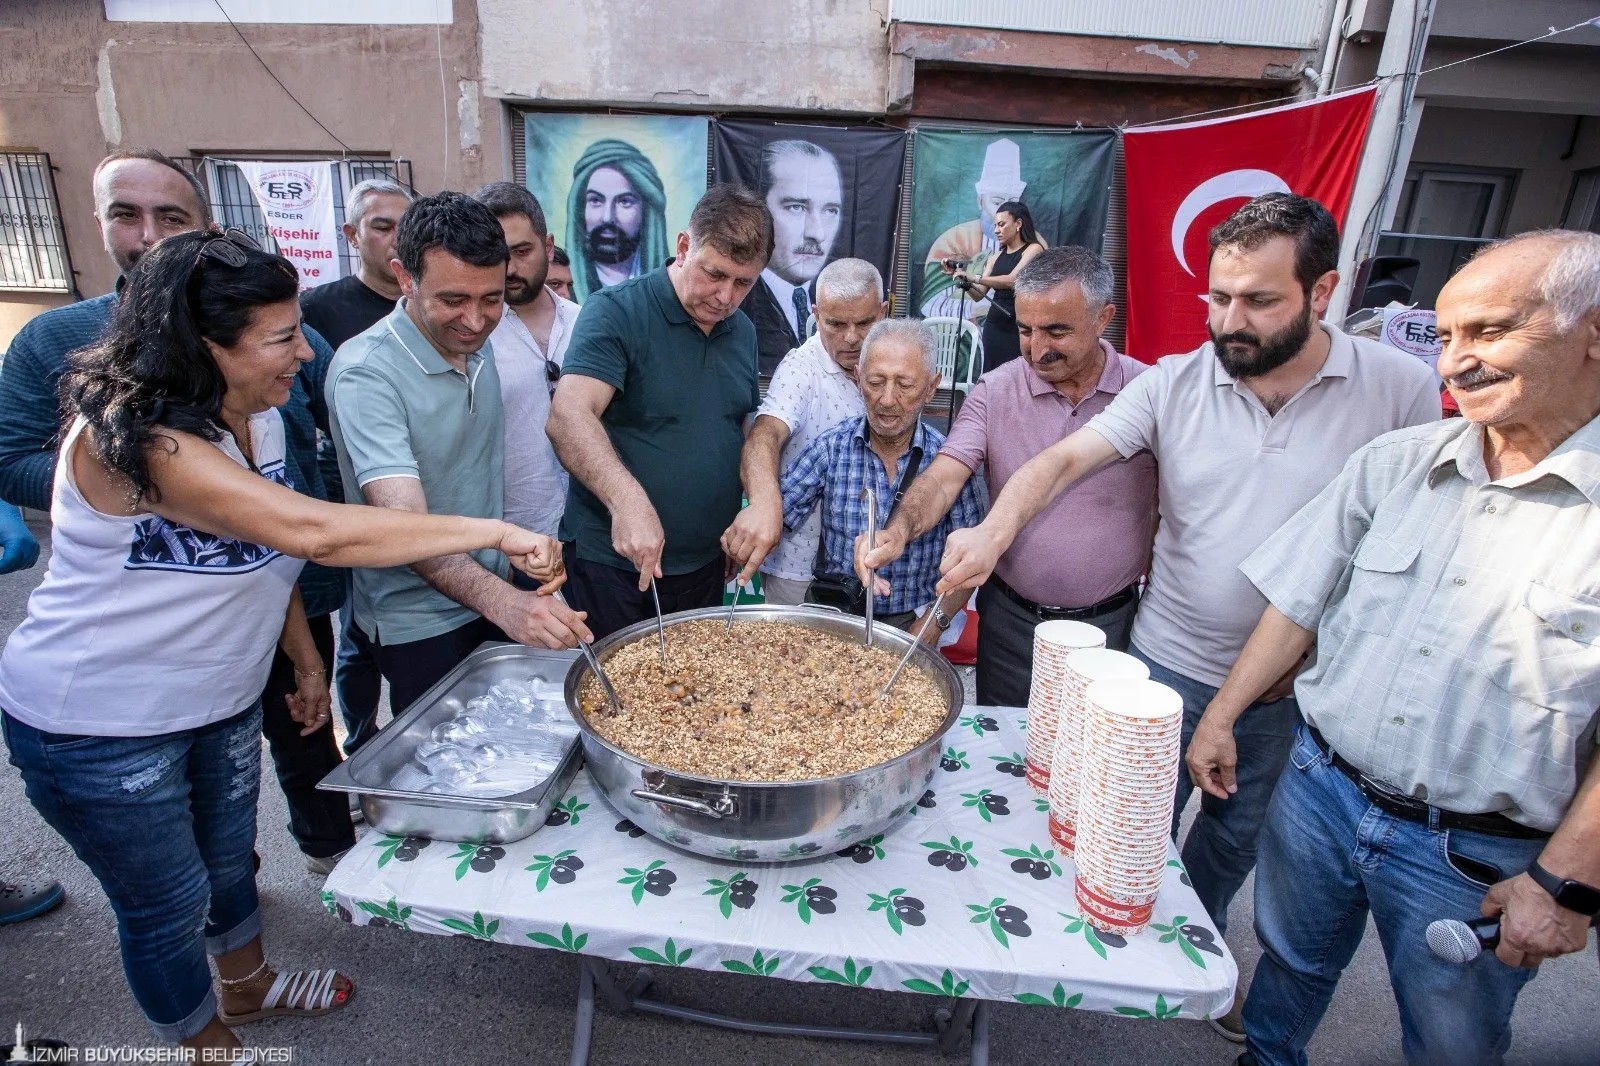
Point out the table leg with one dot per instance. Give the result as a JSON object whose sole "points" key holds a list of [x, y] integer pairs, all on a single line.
{"points": [[980, 1034], [583, 1028], [957, 1025]]}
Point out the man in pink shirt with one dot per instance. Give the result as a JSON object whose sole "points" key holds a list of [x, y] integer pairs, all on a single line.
{"points": [[1083, 557]]}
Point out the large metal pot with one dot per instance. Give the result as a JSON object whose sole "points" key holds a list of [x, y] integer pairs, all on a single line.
{"points": [[766, 821]]}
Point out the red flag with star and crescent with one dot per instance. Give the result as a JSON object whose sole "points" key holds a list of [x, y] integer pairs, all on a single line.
{"points": [[1184, 179]]}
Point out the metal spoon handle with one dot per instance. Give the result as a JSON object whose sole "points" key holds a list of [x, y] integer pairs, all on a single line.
{"points": [[911, 648], [661, 625], [594, 664], [872, 542], [732, 606]]}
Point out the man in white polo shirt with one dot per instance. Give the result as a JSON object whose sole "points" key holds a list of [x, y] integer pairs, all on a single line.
{"points": [[528, 345], [1245, 430], [813, 390]]}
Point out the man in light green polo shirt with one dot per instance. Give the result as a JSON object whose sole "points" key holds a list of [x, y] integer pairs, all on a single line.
{"points": [[414, 405], [649, 419]]}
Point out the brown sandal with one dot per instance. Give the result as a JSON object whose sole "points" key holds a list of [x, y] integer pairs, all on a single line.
{"points": [[302, 994]]}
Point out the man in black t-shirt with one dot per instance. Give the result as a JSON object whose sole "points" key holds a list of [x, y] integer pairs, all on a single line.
{"points": [[340, 310]]}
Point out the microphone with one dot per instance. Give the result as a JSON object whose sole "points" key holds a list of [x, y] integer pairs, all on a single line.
{"points": [[1461, 942]]}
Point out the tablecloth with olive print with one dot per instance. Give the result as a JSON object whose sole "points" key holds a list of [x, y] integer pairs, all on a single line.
{"points": [[966, 896]]}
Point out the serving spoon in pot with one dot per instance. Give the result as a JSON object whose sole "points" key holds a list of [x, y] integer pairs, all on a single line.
{"points": [[872, 542], [927, 618], [594, 664], [661, 625]]}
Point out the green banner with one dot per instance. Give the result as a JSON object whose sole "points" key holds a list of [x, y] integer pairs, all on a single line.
{"points": [[959, 177]]}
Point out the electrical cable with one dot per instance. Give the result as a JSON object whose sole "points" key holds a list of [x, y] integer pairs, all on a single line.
{"points": [[347, 149], [1365, 84]]}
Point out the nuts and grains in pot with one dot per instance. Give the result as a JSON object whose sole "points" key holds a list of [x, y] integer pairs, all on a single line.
{"points": [[768, 701]]}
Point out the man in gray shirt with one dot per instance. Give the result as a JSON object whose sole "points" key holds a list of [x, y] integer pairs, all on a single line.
{"points": [[414, 405], [1449, 580], [1245, 430]]}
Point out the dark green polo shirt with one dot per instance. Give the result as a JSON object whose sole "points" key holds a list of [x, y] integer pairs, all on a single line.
{"points": [[677, 420]]}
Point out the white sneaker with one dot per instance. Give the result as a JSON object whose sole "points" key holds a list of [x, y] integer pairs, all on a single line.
{"points": [[324, 866]]}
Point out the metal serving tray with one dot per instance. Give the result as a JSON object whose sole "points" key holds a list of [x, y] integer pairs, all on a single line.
{"points": [[380, 769]]}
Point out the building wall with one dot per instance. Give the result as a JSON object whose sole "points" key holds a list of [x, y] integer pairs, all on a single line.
{"points": [[803, 55], [76, 86], [1530, 144]]}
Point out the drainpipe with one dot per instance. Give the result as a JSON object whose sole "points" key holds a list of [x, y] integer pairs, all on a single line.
{"points": [[1330, 51], [1382, 169]]}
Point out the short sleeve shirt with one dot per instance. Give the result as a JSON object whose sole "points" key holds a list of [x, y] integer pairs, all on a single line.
{"points": [[809, 393], [676, 421], [397, 408], [1229, 474], [1093, 540], [1457, 618], [536, 485]]}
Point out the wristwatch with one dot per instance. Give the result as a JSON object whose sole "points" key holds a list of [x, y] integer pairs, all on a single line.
{"points": [[941, 619], [1573, 895]]}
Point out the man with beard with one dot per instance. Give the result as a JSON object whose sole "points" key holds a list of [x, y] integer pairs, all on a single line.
{"points": [[1245, 430], [419, 426], [805, 195], [616, 217], [529, 344], [560, 276], [1446, 765], [1083, 557]]}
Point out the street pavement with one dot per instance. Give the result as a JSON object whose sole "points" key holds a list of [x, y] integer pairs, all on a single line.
{"points": [[427, 999]]}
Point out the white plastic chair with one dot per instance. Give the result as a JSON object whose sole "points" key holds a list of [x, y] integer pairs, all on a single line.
{"points": [[950, 330]]}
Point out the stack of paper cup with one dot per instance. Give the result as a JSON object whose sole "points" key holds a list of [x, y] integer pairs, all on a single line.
{"points": [[1132, 734], [1052, 643], [1083, 668]]}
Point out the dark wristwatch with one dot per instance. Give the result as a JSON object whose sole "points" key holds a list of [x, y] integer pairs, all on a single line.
{"points": [[1573, 895], [941, 619]]}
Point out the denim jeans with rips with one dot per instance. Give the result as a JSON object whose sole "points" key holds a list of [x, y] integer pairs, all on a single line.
{"points": [[168, 825]]}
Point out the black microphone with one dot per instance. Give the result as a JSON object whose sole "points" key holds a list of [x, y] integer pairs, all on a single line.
{"points": [[1461, 942]]}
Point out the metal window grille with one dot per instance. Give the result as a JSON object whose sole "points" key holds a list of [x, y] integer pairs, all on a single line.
{"points": [[33, 244], [233, 204]]}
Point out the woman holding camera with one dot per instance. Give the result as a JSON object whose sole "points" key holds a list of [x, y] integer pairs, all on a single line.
{"points": [[1019, 242]]}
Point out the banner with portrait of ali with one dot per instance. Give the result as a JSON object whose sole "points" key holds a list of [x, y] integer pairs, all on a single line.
{"points": [[960, 177], [834, 193], [616, 189]]}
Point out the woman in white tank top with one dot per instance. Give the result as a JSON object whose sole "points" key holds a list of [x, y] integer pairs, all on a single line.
{"points": [[130, 692]]}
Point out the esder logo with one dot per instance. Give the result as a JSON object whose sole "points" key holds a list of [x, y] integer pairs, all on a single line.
{"points": [[1415, 331], [288, 189]]}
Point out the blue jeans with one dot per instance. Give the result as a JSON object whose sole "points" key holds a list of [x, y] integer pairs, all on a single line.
{"points": [[1220, 850], [357, 682], [167, 824], [1328, 856]]}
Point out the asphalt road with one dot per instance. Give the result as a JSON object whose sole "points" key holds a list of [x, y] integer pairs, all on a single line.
{"points": [[424, 999]]}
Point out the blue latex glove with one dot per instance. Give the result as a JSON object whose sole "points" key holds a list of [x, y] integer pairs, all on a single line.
{"points": [[18, 549]]}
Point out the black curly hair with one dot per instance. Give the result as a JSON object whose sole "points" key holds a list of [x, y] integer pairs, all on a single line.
{"points": [[152, 369]]}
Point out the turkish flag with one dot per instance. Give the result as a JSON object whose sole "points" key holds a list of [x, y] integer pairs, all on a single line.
{"points": [[1184, 179]]}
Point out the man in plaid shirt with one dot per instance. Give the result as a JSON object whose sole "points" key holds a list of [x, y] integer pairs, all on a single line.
{"points": [[897, 378], [1447, 585]]}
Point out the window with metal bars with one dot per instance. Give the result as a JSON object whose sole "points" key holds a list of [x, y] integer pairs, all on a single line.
{"points": [[233, 204], [33, 244]]}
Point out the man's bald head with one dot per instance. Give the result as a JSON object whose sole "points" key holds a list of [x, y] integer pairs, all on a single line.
{"points": [[1520, 325], [139, 198]]}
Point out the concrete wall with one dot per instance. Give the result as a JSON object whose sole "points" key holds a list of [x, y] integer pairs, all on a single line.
{"points": [[1532, 145], [802, 55], [76, 86]]}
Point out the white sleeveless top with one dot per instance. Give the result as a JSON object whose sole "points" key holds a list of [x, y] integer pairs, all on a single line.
{"points": [[141, 626]]}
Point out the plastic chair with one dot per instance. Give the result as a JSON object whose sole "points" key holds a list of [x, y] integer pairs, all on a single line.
{"points": [[952, 373]]}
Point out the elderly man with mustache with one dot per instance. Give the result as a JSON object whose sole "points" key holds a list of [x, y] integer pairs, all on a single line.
{"points": [[1245, 430], [1449, 580]]}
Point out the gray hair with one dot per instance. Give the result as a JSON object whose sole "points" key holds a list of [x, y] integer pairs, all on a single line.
{"points": [[1570, 283], [849, 279], [776, 150], [914, 330], [1057, 266], [355, 201]]}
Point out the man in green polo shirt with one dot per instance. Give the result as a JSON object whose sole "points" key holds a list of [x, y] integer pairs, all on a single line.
{"points": [[649, 419], [414, 406]]}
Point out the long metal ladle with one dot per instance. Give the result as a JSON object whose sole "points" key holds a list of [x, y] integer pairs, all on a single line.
{"points": [[916, 639], [594, 664], [661, 625], [872, 542]]}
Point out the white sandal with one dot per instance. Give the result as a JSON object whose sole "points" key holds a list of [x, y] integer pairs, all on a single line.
{"points": [[303, 994]]}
